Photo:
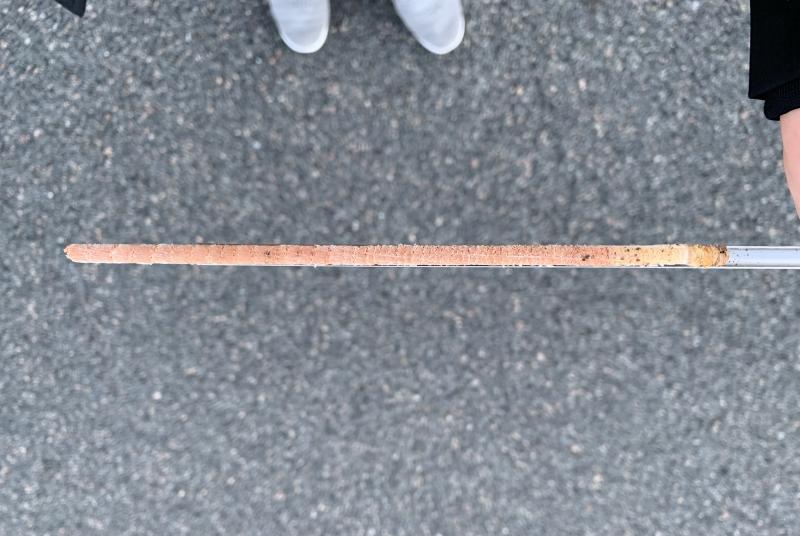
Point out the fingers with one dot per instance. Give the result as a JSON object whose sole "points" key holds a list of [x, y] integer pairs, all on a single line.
{"points": [[790, 133]]}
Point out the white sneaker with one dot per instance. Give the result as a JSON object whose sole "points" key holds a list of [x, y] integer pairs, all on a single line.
{"points": [[303, 24], [438, 25]]}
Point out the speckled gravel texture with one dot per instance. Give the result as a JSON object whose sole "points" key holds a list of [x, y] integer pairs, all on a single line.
{"points": [[185, 400]]}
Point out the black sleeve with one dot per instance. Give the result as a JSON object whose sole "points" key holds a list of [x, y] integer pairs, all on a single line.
{"points": [[76, 6], [775, 55]]}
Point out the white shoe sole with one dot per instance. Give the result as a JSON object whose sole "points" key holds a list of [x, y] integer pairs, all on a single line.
{"points": [[441, 51], [306, 49], [311, 47]]}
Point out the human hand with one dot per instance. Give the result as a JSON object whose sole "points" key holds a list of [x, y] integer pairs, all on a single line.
{"points": [[790, 132]]}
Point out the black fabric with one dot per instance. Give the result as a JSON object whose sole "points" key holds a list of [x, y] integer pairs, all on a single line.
{"points": [[76, 6], [782, 99], [775, 55]]}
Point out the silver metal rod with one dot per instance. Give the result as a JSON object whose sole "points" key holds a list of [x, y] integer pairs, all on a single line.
{"points": [[764, 257]]}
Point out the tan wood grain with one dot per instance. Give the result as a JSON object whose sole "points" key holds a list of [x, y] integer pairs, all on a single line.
{"points": [[698, 256]]}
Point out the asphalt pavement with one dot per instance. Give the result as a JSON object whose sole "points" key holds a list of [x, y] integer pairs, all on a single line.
{"points": [[186, 400]]}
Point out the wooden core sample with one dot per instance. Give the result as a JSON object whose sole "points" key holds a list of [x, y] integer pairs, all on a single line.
{"points": [[675, 255]]}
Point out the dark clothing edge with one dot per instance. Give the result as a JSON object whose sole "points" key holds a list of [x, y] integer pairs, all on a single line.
{"points": [[76, 6], [782, 99], [775, 55]]}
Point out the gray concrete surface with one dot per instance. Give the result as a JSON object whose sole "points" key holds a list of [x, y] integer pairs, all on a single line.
{"points": [[400, 402]]}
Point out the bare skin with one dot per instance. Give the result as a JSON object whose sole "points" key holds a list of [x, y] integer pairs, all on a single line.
{"points": [[790, 132]]}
